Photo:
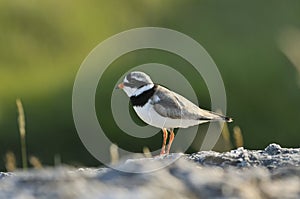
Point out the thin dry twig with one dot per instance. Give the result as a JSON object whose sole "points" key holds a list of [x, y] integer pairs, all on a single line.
{"points": [[21, 122], [10, 161], [35, 162], [114, 154], [238, 137]]}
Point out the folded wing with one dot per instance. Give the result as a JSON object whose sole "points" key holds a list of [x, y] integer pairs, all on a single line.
{"points": [[173, 105]]}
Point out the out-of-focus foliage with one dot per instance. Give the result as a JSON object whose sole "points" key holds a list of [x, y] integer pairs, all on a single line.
{"points": [[44, 42]]}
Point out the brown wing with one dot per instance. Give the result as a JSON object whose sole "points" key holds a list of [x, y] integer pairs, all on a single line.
{"points": [[173, 105], [166, 104]]}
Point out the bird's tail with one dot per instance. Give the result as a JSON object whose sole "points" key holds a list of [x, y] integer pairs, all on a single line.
{"points": [[213, 116], [221, 117]]}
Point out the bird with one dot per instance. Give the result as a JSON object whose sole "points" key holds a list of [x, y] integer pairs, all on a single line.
{"points": [[162, 108]]}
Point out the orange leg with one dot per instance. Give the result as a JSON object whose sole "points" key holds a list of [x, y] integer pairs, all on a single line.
{"points": [[165, 136], [172, 135]]}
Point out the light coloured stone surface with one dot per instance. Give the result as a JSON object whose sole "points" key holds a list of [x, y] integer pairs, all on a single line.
{"points": [[270, 173], [271, 157]]}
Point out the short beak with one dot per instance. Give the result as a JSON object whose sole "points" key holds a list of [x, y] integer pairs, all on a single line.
{"points": [[120, 86]]}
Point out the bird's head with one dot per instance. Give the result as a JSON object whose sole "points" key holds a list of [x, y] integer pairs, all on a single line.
{"points": [[133, 81]]}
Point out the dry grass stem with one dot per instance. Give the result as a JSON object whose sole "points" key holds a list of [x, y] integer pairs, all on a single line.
{"points": [[35, 162], [10, 161], [21, 122], [114, 154], [57, 160], [238, 137], [226, 137], [147, 152]]}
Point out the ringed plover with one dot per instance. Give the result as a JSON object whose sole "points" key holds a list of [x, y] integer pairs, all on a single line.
{"points": [[163, 108]]}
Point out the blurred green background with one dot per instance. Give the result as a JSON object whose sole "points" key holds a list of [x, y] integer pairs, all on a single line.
{"points": [[255, 44]]}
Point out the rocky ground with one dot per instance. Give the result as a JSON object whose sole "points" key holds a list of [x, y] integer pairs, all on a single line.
{"points": [[270, 173]]}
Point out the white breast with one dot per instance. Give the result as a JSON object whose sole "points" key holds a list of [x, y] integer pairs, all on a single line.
{"points": [[151, 117]]}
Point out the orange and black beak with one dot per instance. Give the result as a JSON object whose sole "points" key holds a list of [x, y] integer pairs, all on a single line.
{"points": [[120, 86]]}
